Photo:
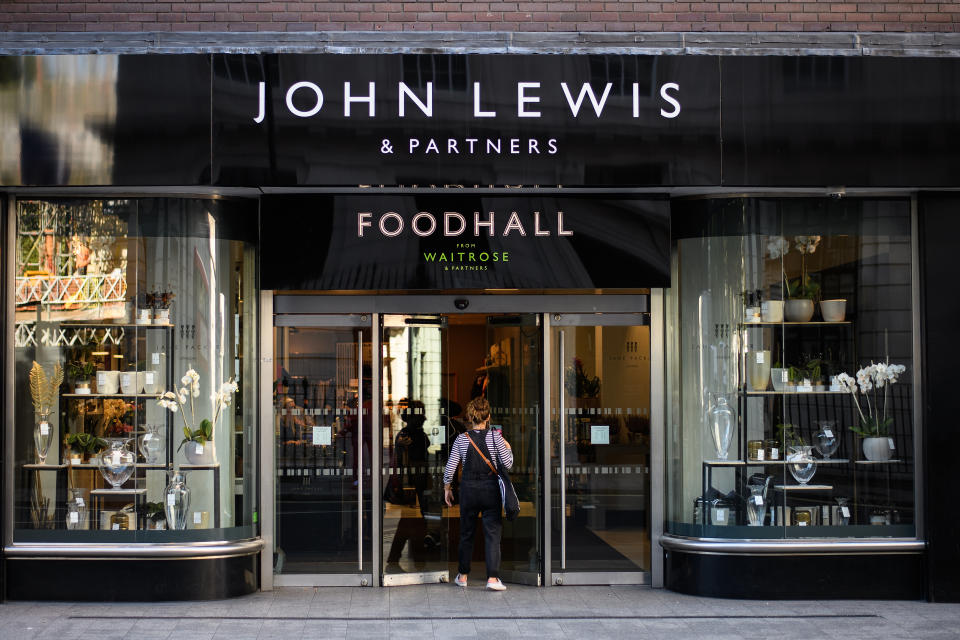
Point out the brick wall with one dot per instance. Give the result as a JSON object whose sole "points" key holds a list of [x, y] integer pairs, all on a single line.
{"points": [[227, 15]]}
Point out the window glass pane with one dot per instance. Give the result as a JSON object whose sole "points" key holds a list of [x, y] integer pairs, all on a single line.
{"points": [[119, 302], [775, 301]]}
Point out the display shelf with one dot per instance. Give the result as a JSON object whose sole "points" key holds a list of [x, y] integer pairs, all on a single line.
{"points": [[794, 393], [818, 461], [124, 325], [724, 463], [45, 466], [110, 395], [871, 462], [118, 492], [199, 467], [803, 487], [815, 323]]}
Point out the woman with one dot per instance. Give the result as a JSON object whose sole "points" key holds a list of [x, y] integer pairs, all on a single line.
{"points": [[479, 489]]}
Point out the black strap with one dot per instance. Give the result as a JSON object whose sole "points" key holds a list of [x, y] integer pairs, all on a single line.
{"points": [[489, 464]]}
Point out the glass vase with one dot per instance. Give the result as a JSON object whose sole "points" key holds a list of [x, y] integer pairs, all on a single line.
{"points": [[77, 510], [802, 464], [152, 444], [177, 501], [721, 426], [843, 511], [116, 462], [755, 505], [42, 436], [827, 438]]}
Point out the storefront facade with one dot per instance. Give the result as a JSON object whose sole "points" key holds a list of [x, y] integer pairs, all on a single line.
{"points": [[655, 265]]}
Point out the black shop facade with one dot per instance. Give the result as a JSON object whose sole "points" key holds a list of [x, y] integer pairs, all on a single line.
{"points": [[249, 297]]}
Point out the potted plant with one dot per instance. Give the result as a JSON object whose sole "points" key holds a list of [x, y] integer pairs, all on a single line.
{"points": [[875, 424], [161, 305], [802, 292], [154, 514], [84, 446], [81, 372], [808, 374], [197, 443], [145, 308]]}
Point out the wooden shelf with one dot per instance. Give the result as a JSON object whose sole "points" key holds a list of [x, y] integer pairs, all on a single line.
{"points": [[724, 463], [118, 492], [891, 461], [45, 467], [122, 325]]}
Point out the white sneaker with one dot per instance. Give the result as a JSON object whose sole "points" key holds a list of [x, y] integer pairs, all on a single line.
{"points": [[496, 586], [460, 580]]}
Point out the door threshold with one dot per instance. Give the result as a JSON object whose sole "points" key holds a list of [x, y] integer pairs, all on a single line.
{"points": [[425, 577], [581, 578], [323, 580]]}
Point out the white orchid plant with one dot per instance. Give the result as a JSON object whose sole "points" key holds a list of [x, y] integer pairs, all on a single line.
{"points": [[180, 399], [875, 423], [804, 286]]}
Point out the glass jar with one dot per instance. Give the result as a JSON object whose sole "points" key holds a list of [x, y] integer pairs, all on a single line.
{"points": [[843, 511], [755, 450], [772, 449], [177, 501], [801, 518], [119, 521]]}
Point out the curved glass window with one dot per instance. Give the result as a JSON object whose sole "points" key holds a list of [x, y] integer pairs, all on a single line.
{"points": [[780, 307], [134, 381]]}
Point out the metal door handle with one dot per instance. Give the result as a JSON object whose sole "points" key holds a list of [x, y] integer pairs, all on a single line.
{"points": [[359, 445], [563, 458]]}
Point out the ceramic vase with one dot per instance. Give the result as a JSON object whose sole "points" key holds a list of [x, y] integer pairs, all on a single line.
{"points": [[197, 453], [877, 449], [833, 310], [771, 311], [798, 310]]}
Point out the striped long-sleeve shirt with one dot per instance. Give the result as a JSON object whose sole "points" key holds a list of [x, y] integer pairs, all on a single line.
{"points": [[458, 453]]}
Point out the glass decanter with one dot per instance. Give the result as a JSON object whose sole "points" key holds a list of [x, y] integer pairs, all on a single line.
{"points": [[116, 462], [177, 501], [42, 436], [802, 464], [828, 440], [152, 445], [756, 504], [76, 510], [721, 426]]}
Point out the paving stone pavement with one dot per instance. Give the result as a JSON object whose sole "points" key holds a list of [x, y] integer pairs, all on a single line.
{"points": [[447, 612]]}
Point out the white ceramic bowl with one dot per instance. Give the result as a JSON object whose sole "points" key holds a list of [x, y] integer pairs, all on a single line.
{"points": [[833, 310]]}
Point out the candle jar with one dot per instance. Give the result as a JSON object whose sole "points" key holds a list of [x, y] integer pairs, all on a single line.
{"points": [[755, 450], [772, 449]]}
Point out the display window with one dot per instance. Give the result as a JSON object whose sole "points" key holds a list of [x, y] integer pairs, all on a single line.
{"points": [[134, 372], [792, 360]]}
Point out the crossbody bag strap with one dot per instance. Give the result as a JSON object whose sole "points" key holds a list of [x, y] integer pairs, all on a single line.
{"points": [[489, 464]]}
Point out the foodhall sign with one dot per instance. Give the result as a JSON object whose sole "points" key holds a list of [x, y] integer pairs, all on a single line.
{"points": [[405, 120]]}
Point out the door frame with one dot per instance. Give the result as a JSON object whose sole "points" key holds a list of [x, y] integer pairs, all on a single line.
{"points": [[546, 305]]}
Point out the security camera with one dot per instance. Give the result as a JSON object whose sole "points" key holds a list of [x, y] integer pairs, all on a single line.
{"points": [[461, 303]]}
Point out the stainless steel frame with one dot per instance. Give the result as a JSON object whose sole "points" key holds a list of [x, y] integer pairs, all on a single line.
{"points": [[363, 577]]}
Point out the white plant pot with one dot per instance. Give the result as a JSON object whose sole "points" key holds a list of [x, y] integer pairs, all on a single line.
{"points": [[150, 379], [128, 383], [877, 449], [108, 382], [144, 316], [161, 316], [771, 311], [800, 310], [199, 454], [833, 310]]}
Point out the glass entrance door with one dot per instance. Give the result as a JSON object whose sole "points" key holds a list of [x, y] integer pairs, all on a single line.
{"points": [[322, 399], [432, 366], [600, 449]]}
